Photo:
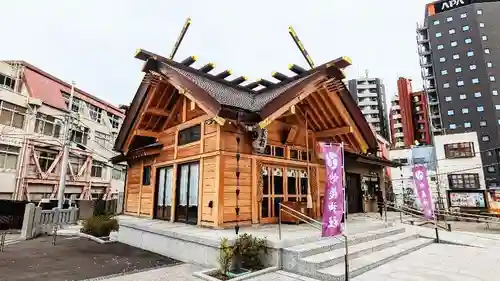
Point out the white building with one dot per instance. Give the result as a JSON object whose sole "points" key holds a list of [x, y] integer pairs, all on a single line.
{"points": [[454, 167], [33, 105]]}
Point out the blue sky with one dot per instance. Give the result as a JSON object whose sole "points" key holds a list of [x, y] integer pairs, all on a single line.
{"points": [[93, 42]]}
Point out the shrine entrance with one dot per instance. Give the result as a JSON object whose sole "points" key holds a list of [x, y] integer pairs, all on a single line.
{"points": [[281, 184]]}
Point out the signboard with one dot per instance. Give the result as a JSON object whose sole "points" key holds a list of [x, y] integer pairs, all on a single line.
{"points": [[333, 201], [447, 5], [467, 199]]}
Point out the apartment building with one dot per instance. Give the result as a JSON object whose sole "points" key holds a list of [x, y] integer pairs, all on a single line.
{"points": [[455, 171], [409, 116], [459, 49], [370, 96], [33, 105]]}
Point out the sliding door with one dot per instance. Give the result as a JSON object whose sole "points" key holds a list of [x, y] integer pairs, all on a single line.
{"points": [[187, 193], [164, 193]]}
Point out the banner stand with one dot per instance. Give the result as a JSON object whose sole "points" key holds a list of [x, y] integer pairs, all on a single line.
{"points": [[346, 257]]}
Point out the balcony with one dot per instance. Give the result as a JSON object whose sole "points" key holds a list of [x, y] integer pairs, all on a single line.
{"points": [[396, 107], [366, 86], [368, 102], [372, 119], [396, 116], [399, 144], [368, 110], [399, 135], [398, 125]]}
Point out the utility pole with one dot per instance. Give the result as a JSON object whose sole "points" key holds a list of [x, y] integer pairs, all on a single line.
{"points": [[66, 143]]}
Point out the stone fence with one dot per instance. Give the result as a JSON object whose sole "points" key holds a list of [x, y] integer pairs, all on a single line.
{"points": [[37, 221]]}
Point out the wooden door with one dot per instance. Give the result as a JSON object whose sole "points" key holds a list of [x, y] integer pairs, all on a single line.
{"points": [[273, 193], [187, 193], [164, 191]]}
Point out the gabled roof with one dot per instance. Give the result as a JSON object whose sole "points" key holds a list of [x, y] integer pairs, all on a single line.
{"points": [[217, 94]]}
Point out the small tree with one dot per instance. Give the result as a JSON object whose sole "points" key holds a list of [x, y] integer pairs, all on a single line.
{"points": [[225, 256]]}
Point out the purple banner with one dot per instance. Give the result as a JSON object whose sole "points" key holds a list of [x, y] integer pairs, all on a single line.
{"points": [[333, 202], [423, 190]]}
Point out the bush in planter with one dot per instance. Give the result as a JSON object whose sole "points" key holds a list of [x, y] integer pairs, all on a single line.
{"points": [[100, 226], [246, 252]]}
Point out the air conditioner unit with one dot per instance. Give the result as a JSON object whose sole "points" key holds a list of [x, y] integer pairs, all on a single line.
{"points": [[259, 142]]}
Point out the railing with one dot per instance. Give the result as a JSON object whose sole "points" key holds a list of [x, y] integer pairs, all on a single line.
{"points": [[314, 223]]}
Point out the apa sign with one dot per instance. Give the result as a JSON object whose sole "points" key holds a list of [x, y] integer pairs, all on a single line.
{"points": [[451, 4]]}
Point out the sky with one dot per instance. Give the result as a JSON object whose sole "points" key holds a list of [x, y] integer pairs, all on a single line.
{"points": [[93, 42]]}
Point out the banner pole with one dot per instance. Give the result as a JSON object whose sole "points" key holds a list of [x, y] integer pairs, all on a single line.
{"points": [[346, 257]]}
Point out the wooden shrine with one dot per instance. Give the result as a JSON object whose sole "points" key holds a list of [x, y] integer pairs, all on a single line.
{"points": [[200, 146]]}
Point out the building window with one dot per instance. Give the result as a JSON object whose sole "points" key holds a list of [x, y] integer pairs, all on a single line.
{"points": [[96, 171], [447, 98], [465, 110], [12, 115], [497, 107], [47, 125], [479, 12], [475, 81], [146, 175], [472, 67], [453, 126], [451, 112], [458, 70], [438, 34], [482, 123], [8, 156], [118, 173], [484, 37], [451, 31], [492, 78], [456, 56], [448, 19], [485, 138], [498, 121], [465, 28], [7, 82], [440, 47], [460, 83], [454, 43], [114, 120], [459, 150], [463, 15], [491, 169], [477, 94], [79, 135], [463, 96], [446, 85], [436, 22], [486, 51], [45, 160], [102, 138], [489, 65], [442, 59], [480, 108], [468, 40], [463, 181], [470, 53], [95, 113], [189, 135], [467, 125], [444, 72], [494, 92], [76, 106], [481, 24]]}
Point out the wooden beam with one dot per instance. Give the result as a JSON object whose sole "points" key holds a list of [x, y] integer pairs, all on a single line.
{"points": [[323, 99], [158, 112], [334, 132], [192, 105], [146, 133], [292, 134], [319, 104], [347, 118], [174, 112]]}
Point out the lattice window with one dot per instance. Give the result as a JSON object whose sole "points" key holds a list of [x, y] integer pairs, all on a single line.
{"points": [[12, 115]]}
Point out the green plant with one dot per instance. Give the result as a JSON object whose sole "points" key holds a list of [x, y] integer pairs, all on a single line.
{"points": [[226, 253], [251, 250], [100, 226]]}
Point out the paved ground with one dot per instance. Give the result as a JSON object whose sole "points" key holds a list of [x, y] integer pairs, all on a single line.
{"points": [[72, 259], [440, 262]]}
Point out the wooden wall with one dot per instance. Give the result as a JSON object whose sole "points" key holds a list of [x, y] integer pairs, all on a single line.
{"points": [[139, 197]]}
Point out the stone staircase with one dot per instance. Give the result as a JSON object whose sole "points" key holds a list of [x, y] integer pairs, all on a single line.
{"points": [[324, 259]]}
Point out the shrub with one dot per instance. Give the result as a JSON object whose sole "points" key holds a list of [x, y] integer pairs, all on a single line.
{"points": [[100, 226], [247, 250]]}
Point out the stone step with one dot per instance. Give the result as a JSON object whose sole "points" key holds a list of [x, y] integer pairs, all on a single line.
{"points": [[370, 261], [329, 244], [330, 258]]}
